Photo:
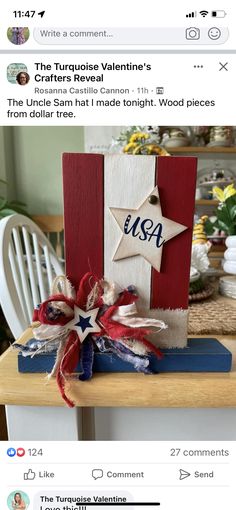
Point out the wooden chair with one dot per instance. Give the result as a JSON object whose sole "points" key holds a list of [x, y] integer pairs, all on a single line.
{"points": [[53, 228], [28, 264]]}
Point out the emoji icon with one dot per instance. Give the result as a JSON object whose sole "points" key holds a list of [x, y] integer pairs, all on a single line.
{"points": [[11, 452], [20, 452], [214, 33]]}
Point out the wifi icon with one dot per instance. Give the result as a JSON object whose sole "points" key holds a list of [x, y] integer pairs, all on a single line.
{"points": [[204, 13]]}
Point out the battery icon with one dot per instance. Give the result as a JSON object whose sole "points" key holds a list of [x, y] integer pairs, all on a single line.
{"points": [[218, 14]]}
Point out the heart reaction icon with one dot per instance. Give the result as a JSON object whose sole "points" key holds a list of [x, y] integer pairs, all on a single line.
{"points": [[20, 452]]}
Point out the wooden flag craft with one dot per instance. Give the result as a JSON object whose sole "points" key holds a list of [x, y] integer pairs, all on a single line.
{"points": [[129, 219], [128, 237]]}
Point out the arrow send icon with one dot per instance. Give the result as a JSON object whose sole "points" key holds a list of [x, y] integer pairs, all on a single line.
{"points": [[183, 474]]}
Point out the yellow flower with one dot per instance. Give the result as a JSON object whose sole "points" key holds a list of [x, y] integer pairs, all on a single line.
{"points": [[130, 147], [138, 136], [223, 194]]}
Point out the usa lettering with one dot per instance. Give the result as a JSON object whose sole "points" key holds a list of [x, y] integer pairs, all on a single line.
{"points": [[144, 229]]}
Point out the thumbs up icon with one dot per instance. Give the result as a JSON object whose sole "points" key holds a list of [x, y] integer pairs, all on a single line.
{"points": [[30, 475]]}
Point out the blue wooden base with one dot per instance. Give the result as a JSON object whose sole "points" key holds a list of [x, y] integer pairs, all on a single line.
{"points": [[201, 355]]}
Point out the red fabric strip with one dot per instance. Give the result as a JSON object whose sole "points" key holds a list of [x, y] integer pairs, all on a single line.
{"points": [[175, 178], [68, 364], [61, 321], [87, 283], [116, 330]]}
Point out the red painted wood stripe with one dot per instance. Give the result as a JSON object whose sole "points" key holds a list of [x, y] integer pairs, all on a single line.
{"points": [[176, 178], [83, 214]]}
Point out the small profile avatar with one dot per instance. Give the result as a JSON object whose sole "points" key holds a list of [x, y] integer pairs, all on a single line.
{"points": [[18, 35], [22, 78], [13, 70], [18, 501]]}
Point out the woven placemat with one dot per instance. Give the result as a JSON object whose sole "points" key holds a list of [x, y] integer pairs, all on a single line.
{"points": [[212, 316]]}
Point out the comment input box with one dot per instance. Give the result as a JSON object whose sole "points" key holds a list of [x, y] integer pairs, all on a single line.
{"points": [[211, 35]]}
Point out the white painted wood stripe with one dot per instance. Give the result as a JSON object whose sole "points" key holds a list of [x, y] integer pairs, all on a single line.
{"points": [[176, 333], [127, 181]]}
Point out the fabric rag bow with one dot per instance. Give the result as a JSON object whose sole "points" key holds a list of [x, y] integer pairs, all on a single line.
{"points": [[99, 316]]}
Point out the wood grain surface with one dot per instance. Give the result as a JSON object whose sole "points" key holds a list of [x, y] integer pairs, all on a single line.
{"points": [[138, 177], [49, 223], [176, 181], [83, 215], [121, 390]]}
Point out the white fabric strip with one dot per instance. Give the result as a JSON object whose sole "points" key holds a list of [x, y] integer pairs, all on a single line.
{"points": [[127, 315]]}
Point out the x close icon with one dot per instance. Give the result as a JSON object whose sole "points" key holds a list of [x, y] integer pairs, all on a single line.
{"points": [[223, 67]]}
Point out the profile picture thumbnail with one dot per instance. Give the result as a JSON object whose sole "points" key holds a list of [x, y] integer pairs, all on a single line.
{"points": [[18, 500], [22, 78], [13, 70], [18, 35]]}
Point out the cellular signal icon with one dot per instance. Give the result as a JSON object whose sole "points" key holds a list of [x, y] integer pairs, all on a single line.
{"points": [[204, 13], [192, 14]]}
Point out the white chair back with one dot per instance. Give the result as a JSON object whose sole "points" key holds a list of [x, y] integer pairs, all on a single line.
{"points": [[28, 265]]}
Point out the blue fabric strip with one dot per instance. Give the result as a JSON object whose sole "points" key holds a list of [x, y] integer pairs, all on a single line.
{"points": [[86, 359], [140, 363]]}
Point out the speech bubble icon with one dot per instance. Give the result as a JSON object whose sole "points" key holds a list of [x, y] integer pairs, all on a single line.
{"points": [[97, 473]]}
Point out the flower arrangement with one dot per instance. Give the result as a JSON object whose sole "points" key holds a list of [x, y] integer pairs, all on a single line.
{"points": [[139, 140], [142, 143], [225, 212]]}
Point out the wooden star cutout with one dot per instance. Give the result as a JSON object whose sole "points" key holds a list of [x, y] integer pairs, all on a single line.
{"points": [[84, 323], [145, 230]]}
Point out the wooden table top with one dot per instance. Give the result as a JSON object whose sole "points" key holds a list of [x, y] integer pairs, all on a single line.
{"points": [[121, 389]]}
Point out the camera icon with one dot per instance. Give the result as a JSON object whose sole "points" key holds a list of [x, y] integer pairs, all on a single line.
{"points": [[192, 33]]}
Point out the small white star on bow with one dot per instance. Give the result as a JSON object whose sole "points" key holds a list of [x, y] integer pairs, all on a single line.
{"points": [[84, 323]]}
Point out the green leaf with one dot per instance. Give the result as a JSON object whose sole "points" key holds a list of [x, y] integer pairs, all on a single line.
{"points": [[233, 212], [223, 215], [196, 286], [17, 202], [6, 212], [19, 210], [3, 182], [209, 227], [223, 226], [231, 201], [3, 202]]}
